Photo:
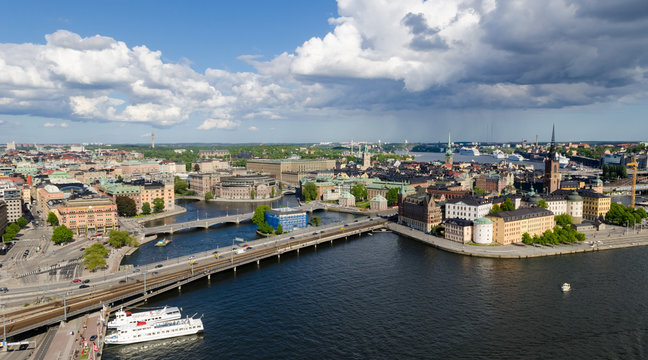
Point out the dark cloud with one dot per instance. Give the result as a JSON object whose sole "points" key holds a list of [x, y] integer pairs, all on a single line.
{"points": [[425, 38]]}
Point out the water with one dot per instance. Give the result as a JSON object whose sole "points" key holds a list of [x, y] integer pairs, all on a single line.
{"points": [[388, 297], [482, 159]]}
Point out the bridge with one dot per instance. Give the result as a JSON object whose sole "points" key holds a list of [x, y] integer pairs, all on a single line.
{"points": [[209, 222], [128, 288]]}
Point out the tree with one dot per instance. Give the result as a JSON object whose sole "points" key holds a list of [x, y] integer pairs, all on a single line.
{"points": [[10, 232], [62, 234], [526, 238], [495, 209], [146, 208], [543, 204], [118, 238], [272, 192], [94, 257], [309, 192], [563, 220], [315, 220], [359, 191], [507, 205], [188, 166], [252, 194], [22, 222], [279, 230], [52, 219], [180, 186], [392, 196], [196, 167], [625, 216], [259, 214], [265, 228], [478, 190], [13, 227], [158, 205], [209, 196], [126, 206]]}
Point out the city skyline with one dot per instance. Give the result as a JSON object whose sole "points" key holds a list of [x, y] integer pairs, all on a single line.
{"points": [[253, 71]]}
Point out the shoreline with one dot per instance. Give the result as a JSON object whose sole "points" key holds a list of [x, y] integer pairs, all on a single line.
{"points": [[246, 200], [523, 251]]}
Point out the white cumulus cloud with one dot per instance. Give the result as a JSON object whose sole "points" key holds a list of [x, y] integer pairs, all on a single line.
{"points": [[224, 124]]}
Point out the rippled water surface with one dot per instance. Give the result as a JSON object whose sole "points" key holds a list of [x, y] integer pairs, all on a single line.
{"points": [[387, 297]]}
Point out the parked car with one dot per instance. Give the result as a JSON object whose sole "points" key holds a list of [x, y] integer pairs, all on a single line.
{"points": [[86, 281], [93, 337], [3, 289], [76, 281], [83, 286], [159, 266], [122, 281]]}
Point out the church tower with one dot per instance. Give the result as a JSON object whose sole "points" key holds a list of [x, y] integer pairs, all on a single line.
{"points": [[448, 154], [552, 167], [366, 159]]}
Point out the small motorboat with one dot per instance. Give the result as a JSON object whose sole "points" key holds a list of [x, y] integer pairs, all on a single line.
{"points": [[163, 242], [565, 287]]}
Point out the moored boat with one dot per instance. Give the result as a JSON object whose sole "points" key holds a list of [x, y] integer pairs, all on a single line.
{"points": [[163, 242], [499, 154], [469, 151], [126, 318], [143, 331], [516, 157], [565, 287]]}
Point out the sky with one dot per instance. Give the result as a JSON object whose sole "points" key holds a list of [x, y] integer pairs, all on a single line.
{"points": [[321, 70]]}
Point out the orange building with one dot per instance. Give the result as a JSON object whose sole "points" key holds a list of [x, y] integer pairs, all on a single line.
{"points": [[88, 215]]}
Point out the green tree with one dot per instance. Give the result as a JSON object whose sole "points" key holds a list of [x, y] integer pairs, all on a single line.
{"points": [[543, 204], [526, 238], [180, 186], [146, 208], [259, 214], [309, 192], [252, 194], [10, 234], [563, 220], [126, 206], [392, 196], [117, 239], [279, 230], [196, 167], [13, 227], [62, 234], [158, 205], [188, 166], [272, 192], [265, 228], [209, 196], [52, 219], [94, 257], [478, 190], [495, 209], [359, 191], [22, 222], [315, 220], [507, 205]]}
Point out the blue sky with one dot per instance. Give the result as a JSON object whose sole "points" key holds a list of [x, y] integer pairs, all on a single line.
{"points": [[311, 71]]}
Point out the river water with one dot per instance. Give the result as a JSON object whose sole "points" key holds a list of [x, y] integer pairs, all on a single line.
{"points": [[388, 297]]}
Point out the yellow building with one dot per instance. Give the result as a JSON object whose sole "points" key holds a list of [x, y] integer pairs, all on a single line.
{"points": [[508, 226], [595, 204]]}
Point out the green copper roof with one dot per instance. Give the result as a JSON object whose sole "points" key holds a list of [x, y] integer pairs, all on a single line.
{"points": [[482, 221]]}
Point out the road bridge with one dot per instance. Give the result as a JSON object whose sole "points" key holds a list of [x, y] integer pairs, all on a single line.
{"points": [[173, 275]]}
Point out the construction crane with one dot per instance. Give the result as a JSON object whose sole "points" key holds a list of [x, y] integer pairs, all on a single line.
{"points": [[633, 166]]}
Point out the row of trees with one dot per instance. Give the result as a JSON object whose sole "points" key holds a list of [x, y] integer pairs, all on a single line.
{"points": [[562, 233], [625, 215], [613, 172], [127, 207], [507, 205], [13, 229]]}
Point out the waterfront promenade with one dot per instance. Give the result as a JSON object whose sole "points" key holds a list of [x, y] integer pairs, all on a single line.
{"points": [[613, 238]]}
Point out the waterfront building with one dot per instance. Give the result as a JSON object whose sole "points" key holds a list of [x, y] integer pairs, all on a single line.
{"points": [[378, 203], [459, 230], [288, 218], [595, 204], [468, 208], [509, 226], [88, 215], [203, 183], [482, 231], [346, 199], [419, 211], [141, 191], [245, 187], [552, 167], [277, 168]]}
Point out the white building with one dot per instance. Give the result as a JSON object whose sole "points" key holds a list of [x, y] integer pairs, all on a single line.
{"points": [[12, 196], [468, 208]]}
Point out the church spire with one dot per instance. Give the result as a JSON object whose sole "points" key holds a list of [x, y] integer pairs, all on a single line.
{"points": [[552, 150]]}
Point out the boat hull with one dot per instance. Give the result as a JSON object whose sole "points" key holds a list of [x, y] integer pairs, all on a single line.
{"points": [[154, 337]]}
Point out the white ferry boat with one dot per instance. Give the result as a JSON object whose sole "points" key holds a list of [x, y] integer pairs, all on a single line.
{"points": [[563, 161], [472, 151], [565, 287], [161, 330], [499, 154], [126, 318], [516, 157]]}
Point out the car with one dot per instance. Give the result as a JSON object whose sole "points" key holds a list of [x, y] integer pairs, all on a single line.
{"points": [[82, 249], [86, 281], [314, 233], [136, 270], [245, 245], [215, 252], [83, 286], [292, 238], [122, 281], [159, 266], [4, 289], [192, 261], [155, 272], [355, 220], [76, 281], [93, 337]]}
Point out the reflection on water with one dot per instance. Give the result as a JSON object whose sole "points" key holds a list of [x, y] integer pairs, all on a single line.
{"points": [[157, 348]]}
